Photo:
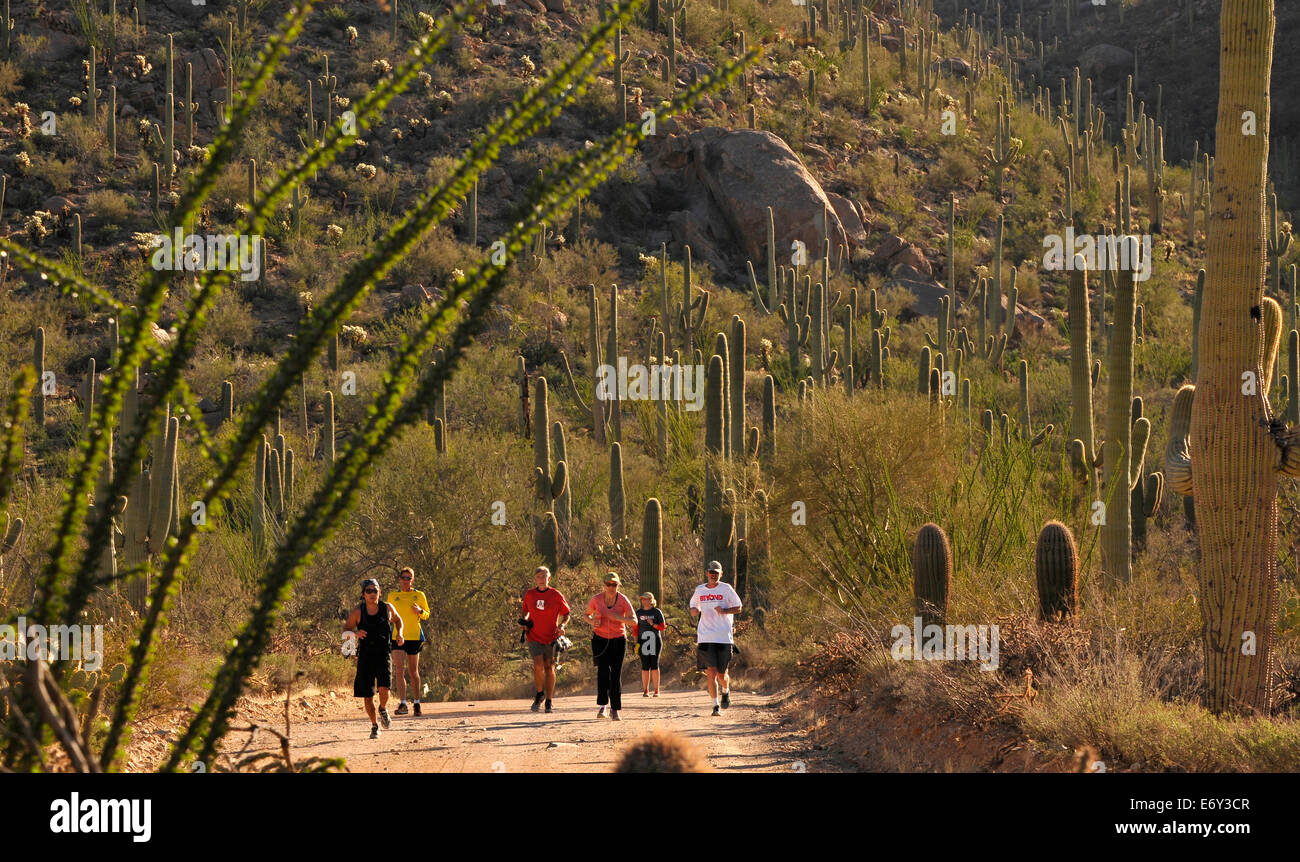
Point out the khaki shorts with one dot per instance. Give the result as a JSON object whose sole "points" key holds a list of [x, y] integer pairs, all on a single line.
{"points": [[546, 651]]}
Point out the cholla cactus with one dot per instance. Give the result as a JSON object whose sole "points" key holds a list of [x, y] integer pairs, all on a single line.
{"points": [[353, 336], [366, 172]]}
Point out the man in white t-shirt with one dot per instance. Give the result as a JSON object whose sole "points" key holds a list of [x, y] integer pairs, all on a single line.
{"points": [[713, 605]]}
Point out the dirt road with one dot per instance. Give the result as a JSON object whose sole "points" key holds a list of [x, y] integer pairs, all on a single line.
{"points": [[504, 736]]}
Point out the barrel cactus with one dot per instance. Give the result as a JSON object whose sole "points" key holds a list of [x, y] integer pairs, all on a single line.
{"points": [[931, 574], [1056, 568]]}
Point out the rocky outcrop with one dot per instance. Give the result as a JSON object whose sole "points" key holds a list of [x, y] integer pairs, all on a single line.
{"points": [[743, 173]]}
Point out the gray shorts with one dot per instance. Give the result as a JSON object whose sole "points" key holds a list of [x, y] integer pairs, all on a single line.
{"points": [[546, 651]]}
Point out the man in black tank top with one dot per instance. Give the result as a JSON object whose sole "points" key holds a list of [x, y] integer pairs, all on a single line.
{"points": [[376, 623]]}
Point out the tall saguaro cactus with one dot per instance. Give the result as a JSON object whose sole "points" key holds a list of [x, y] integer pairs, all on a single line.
{"points": [[1126, 440], [719, 528], [617, 493], [736, 381], [550, 483], [652, 548], [1234, 455], [594, 360], [1083, 444]]}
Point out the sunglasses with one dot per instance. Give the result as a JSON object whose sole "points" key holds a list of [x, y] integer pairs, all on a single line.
{"points": [[404, 578], [370, 590]]}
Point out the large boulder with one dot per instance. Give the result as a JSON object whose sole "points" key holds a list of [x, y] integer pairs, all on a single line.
{"points": [[746, 171], [850, 217], [895, 251], [926, 292], [1105, 60]]}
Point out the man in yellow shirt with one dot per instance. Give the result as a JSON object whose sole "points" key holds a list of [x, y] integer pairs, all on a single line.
{"points": [[412, 607]]}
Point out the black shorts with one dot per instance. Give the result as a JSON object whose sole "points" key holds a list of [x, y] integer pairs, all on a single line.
{"points": [[716, 656], [655, 646], [408, 647], [374, 670]]}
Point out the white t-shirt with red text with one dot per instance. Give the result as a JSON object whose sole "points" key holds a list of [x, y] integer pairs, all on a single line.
{"points": [[714, 628]]}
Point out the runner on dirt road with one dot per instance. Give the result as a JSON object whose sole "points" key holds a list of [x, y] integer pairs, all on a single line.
{"points": [[378, 627], [610, 615], [545, 612], [650, 625], [413, 608], [714, 604]]}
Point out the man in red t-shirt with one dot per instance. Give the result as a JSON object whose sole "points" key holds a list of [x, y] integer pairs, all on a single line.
{"points": [[545, 612]]}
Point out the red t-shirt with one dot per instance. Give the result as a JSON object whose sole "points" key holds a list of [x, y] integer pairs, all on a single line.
{"points": [[544, 608]]}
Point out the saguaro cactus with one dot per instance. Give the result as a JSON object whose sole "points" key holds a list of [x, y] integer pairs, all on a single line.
{"points": [[563, 507], [546, 540], [38, 398], [1056, 569], [1083, 444], [1123, 451], [718, 526], [614, 409], [652, 548], [594, 360], [736, 382], [1147, 494], [767, 445], [1235, 455], [150, 514], [617, 493], [690, 312], [550, 483], [327, 435], [931, 574], [438, 410]]}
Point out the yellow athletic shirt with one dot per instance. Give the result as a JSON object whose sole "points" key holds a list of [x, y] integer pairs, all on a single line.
{"points": [[404, 602]]}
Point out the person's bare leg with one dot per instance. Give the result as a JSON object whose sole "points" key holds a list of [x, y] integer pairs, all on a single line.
{"points": [[399, 669], [369, 703], [550, 678], [645, 681], [713, 682], [726, 680], [413, 661], [654, 678], [539, 673], [383, 697]]}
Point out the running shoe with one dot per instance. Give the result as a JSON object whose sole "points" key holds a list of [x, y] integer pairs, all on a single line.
{"points": [[537, 703], [600, 713], [548, 704], [716, 711], [645, 694], [416, 707], [384, 719], [401, 709], [613, 714], [374, 731], [726, 699]]}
